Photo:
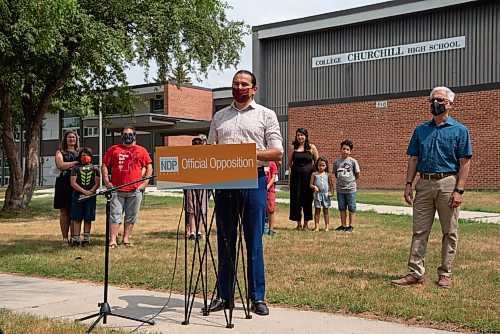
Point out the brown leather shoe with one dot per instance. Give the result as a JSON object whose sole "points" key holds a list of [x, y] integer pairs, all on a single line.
{"points": [[444, 282], [407, 281]]}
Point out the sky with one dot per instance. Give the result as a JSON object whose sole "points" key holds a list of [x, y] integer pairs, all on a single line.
{"points": [[258, 12]]}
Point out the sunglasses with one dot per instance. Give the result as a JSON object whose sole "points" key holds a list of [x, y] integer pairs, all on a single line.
{"points": [[196, 142], [438, 99]]}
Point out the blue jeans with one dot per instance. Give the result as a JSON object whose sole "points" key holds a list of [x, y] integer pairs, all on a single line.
{"points": [[347, 201], [251, 205]]}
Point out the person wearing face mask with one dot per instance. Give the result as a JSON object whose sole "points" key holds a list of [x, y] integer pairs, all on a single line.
{"points": [[440, 151], [244, 121], [126, 161], [85, 179]]}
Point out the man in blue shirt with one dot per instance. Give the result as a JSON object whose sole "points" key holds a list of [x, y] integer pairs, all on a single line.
{"points": [[440, 150]]}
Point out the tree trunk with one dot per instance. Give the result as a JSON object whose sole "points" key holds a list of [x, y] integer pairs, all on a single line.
{"points": [[21, 186]]}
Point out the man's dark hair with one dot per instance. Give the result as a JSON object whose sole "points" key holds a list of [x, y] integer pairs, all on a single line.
{"points": [[347, 142], [254, 80], [307, 144], [129, 127]]}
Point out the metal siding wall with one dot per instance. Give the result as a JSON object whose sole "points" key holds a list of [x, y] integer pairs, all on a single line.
{"points": [[290, 77]]}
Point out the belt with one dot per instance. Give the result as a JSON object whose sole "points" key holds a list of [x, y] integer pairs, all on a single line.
{"points": [[435, 176]]}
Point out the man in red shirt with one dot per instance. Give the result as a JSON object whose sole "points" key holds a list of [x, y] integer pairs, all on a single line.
{"points": [[127, 162]]}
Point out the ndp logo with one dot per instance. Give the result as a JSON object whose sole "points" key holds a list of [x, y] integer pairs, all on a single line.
{"points": [[169, 164]]}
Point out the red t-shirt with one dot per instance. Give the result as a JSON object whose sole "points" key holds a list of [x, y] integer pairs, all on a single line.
{"points": [[126, 164], [271, 170]]}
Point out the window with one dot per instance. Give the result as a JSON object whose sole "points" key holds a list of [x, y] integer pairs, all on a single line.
{"points": [[71, 122], [4, 172], [157, 106], [17, 133], [91, 131]]}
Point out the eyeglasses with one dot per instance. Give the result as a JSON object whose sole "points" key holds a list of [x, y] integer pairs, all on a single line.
{"points": [[438, 99], [196, 142]]}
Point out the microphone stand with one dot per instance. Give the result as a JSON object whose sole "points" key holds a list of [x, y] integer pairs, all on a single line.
{"points": [[105, 309]]}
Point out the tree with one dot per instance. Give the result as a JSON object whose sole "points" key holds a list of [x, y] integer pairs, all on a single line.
{"points": [[179, 75], [71, 55]]}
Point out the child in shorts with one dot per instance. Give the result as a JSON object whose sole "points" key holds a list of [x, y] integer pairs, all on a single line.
{"points": [[85, 179], [271, 173], [322, 184], [346, 171]]}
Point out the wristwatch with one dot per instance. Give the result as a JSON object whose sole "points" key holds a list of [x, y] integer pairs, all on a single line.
{"points": [[460, 191]]}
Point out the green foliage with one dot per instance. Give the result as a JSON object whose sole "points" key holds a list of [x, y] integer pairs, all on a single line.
{"points": [[91, 43], [71, 56]]}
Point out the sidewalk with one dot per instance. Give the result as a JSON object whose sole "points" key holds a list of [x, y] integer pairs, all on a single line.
{"points": [[484, 217], [70, 300]]}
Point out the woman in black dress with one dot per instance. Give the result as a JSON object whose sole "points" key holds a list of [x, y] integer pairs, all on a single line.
{"points": [[66, 157], [301, 165]]}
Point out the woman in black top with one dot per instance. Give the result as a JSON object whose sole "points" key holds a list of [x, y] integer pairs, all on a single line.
{"points": [[301, 165], [66, 157]]}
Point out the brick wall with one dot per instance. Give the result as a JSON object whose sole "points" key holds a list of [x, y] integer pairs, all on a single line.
{"points": [[187, 102], [381, 136]]}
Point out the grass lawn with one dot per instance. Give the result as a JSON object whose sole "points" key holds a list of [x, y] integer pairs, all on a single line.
{"points": [[15, 323], [338, 272]]}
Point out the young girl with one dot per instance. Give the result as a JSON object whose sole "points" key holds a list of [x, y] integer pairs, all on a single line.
{"points": [[322, 184], [85, 181]]}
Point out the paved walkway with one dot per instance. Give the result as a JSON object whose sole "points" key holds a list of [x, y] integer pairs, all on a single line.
{"points": [[484, 217], [69, 300]]}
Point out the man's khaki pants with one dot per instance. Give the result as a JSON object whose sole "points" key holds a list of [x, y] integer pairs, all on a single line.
{"points": [[432, 195]]}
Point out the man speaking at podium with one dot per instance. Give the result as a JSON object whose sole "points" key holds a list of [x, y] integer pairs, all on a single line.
{"points": [[244, 121]]}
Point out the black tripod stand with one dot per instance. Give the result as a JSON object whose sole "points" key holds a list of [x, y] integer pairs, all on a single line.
{"points": [[193, 204], [200, 256], [105, 309]]}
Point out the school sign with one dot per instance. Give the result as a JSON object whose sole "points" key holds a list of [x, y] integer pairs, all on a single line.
{"points": [[390, 52]]}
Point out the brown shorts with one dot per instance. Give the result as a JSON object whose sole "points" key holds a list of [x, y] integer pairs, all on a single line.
{"points": [[271, 201], [194, 197]]}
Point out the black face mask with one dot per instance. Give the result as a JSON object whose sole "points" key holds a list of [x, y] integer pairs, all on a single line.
{"points": [[128, 138], [437, 108]]}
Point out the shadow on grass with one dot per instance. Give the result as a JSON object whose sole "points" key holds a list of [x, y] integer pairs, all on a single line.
{"points": [[37, 246], [359, 274], [165, 234]]}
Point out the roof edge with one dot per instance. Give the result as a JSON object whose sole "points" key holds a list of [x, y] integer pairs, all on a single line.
{"points": [[351, 16]]}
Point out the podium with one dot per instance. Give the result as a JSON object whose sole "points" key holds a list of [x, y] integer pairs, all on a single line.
{"points": [[202, 260], [210, 167]]}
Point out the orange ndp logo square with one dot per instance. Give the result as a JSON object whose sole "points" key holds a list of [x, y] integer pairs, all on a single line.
{"points": [[207, 166]]}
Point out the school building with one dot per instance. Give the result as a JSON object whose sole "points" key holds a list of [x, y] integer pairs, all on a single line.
{"points": [[167, 114], [365, 74]]}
